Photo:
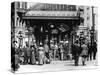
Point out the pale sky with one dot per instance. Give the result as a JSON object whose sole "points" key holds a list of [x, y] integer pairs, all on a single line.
{"points": [[30, 4], [96, 17]]}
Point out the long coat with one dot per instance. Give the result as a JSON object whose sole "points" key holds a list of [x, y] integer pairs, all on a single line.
{"points": [[94, 47], [41, 55], [75, 51], [28, 52], [84, 50]]}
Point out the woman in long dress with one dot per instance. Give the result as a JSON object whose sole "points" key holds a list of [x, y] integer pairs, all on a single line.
{"points": [[55, 51], [41, 55], [33, 60], [61, 52], [84, 53]]}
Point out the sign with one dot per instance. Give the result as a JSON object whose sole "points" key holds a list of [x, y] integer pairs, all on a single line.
{"points": [[64, 28], [51, 7], [54, 31], [51, 13]]}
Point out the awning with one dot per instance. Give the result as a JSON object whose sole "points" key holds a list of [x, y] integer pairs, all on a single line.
{"points": [[51, 15]]}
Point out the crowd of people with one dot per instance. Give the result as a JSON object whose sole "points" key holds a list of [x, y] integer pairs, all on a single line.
{"points": [[46, 53]]}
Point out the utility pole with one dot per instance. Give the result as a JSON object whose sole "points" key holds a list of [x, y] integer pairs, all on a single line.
{"points": [[93, 26]]}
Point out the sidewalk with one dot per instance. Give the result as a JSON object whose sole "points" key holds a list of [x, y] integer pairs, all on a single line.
{"points": [[57, 66]]}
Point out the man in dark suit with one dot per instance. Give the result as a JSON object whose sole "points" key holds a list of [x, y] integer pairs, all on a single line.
{"points": [[75, 52], [90, 50], [94, 50]]}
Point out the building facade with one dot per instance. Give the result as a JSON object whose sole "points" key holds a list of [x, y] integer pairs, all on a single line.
{"points": [[40, 22], [90, 19]]}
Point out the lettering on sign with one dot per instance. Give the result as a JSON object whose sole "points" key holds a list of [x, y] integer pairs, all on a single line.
{"points": [[51, 13]]}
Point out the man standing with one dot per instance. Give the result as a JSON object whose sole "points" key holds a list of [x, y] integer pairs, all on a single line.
{"points": [[75, 52], [94, 50], [90, 50]]}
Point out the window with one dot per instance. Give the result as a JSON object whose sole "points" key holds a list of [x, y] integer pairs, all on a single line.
{"points": [[88, 18], [87, 8]]}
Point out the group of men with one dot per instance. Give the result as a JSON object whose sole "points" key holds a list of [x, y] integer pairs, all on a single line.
{"points": [[86, 50]]}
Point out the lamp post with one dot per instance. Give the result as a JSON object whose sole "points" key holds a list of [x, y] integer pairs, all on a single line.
{"points": [[81, 38], [93, 26], [92, 36]]}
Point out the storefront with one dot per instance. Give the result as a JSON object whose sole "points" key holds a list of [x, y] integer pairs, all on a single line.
{"points": [[52, 25]]}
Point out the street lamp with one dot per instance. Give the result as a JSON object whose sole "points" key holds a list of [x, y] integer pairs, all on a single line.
{"points": [[92, 36], [81, 38]]}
